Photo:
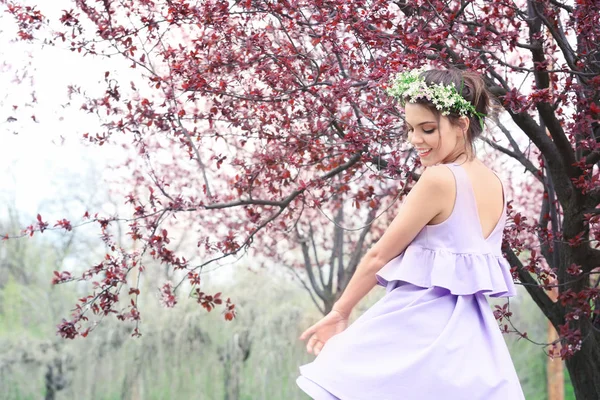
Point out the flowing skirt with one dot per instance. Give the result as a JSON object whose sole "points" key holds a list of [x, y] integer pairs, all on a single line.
{"points": [[416, 344]]}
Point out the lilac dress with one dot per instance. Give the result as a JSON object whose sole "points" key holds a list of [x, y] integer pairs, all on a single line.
{"points": [[433, 335]]}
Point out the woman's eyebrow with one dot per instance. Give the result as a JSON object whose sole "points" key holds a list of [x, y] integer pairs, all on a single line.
{"points": [[422, 123]]}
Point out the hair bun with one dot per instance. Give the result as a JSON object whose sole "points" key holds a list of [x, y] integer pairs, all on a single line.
{"points": [[472, 87]]}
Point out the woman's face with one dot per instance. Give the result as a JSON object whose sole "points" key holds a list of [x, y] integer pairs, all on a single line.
{"points": [[435, 143]]}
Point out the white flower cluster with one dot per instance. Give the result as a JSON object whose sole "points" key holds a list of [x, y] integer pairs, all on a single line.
{"points": [[410, 86]]}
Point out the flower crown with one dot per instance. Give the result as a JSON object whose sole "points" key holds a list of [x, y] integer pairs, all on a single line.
{"points": [[410, 86]]}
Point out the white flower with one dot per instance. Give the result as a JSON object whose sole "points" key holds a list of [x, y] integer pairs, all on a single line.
{"points": [[409, 85]]}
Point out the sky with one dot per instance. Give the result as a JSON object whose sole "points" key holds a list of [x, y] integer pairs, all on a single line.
{"points": [[41, 161]]}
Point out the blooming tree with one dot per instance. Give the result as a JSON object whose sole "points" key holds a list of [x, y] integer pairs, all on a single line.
{"points": [[249, 113]]}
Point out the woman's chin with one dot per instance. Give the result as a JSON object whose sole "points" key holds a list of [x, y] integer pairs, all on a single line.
{"points": [[426, 161]]}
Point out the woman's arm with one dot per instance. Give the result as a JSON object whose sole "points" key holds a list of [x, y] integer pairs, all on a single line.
{"points": [[426, 200]]}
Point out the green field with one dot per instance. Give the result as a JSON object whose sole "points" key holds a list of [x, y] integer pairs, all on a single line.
{"points": [[184, 351]]}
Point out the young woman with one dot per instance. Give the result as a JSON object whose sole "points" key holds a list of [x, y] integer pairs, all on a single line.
{"points": [[433, 335]]}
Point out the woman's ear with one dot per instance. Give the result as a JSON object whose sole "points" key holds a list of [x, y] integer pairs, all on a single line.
{"points": [[464, 122]]}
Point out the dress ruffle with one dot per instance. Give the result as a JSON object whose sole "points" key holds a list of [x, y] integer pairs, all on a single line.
{"points": [[460, 273]]}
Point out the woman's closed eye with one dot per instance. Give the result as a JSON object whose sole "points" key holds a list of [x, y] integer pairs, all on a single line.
{"points": [[409, 129]]}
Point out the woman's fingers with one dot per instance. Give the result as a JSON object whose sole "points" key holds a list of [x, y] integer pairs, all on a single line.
{"points": [[308, 332], [311, 330], [330, 325], [318, 347], [311, 343]]}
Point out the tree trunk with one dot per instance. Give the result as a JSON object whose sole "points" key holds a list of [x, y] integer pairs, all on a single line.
{"points": [[55, 379], [584, 364], [328, 306], [584, 369], [50, 390], [233, 357], [554, 366]]}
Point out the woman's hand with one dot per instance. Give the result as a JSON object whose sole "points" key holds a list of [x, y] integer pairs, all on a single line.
{"points": [[329, 326]]}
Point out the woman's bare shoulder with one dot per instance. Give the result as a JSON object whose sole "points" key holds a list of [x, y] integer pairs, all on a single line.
{"points": [[438, 177]]}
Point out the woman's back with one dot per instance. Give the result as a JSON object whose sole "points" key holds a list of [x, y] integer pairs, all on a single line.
{"points": [[488, 193], [457, 254]]}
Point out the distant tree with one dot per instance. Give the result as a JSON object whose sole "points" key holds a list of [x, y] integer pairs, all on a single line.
{"points": [[267, 107], [25, 305], [324, 247]]}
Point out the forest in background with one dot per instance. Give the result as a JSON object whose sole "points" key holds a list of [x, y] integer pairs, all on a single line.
{"points": [[184, 352]]}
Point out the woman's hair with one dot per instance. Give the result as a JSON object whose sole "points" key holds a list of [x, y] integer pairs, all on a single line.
{"points": [[472, 87]]}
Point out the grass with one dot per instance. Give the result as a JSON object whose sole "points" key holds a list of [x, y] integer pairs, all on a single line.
{"points": [[179, 354]]}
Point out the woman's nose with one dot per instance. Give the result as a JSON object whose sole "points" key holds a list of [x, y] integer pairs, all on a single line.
{"points": [[415, 139]]}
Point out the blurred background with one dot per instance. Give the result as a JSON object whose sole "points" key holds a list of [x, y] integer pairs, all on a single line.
{"points": [[183, 352]]}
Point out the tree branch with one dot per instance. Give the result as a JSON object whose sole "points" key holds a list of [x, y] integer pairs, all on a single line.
{"points": [[358, 251], [542, 80], [548, 208], [309, 267], [314, 245], [569, 9], [593, 211], [339, 248], [198, 158], [380, 163], [538, 135], [548, 148], [548, 116], [549, 308], [590, 259], [285, 202], [517, 155], [593, 157], [311, 238], [310, 292], [559, 37]]}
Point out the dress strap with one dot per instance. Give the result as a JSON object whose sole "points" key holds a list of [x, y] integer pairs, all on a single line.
{"points": [[463, 187]]}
